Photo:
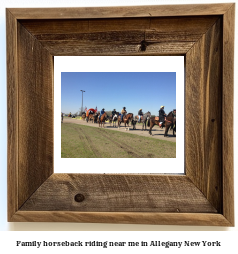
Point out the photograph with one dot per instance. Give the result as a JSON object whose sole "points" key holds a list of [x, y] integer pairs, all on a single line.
{"points": [[113, 107]]}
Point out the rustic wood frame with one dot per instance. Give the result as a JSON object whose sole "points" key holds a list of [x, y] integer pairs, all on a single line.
{"points": [[204, 34]]}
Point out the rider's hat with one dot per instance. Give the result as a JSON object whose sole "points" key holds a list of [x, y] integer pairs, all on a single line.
{"points": [[174, 110], [103, 108], [162, 107], [140, 108], [124, 107]]}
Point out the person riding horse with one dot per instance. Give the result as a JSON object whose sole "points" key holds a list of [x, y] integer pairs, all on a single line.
{"points": [[101, 113], [140, 114], [123, 112], [162, 116], [113, 113], [174, 113]]}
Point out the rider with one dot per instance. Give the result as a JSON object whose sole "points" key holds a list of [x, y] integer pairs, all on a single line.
{"points": [[113, 113], [174, 113], [162, 116], [140, 114], [123, 112], [101, 113]]}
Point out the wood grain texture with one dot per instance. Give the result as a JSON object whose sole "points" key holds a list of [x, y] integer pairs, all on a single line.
{"points": [[189, 26], [114, 193], [191, 219], [35, 101], [203, 115], [121, 12], [12, 116], [227, 113], [174, 36]]}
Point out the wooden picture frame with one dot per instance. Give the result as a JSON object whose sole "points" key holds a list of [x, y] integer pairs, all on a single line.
{"points": [[204, 34]]}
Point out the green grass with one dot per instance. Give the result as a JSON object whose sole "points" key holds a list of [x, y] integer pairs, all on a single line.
{"points": [[80, 141]]}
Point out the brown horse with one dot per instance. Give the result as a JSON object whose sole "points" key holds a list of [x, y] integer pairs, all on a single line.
{"points": [[169, 123], [95, 117], [83, 116], [89, 118], [102, 119], [126, 120]]}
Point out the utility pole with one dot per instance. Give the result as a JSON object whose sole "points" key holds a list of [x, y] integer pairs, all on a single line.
{"points": [[82, 101]]}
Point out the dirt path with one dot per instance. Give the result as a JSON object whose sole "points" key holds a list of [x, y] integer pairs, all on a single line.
{"points": [[156, 131]]}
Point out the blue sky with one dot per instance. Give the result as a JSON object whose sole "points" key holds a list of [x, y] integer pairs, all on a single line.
{"points": [[109, 90]]}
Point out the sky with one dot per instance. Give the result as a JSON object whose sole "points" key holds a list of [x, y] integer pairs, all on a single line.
{"points": [[109, 90]]}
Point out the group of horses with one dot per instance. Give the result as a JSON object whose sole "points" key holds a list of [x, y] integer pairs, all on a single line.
{"points": [[146, 120]]}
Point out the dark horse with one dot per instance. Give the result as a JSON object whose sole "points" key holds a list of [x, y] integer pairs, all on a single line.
{"points": [[169, 123], [113, 119], [102, 119], [125, 119], [145, 120], [174, 126]]}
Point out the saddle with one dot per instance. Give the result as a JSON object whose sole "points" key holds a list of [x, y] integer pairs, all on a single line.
{"points": [[140, 119]]}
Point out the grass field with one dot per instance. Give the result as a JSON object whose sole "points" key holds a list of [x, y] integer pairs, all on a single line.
{"points": [[79, 141]]}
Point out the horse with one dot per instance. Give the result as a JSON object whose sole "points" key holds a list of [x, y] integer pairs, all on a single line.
{"points": [[113, 119], [125, 119], [169, 123], [133, 122], [89, 114], [145, 119], [90, 117], [174, 126], [83, 116], [95, 117], [102, 119]]}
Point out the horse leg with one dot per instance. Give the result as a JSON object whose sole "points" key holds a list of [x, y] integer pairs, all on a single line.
{"points": [[151, 126], [166, 131]]}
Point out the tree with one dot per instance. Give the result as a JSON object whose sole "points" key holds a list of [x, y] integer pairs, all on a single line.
{"points": [[109, 113]]}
